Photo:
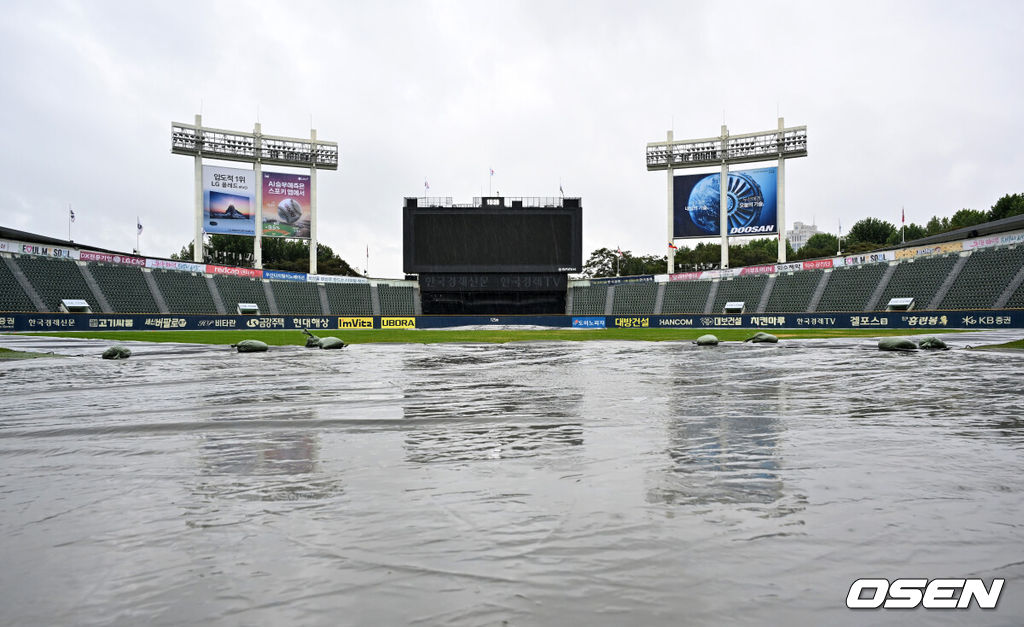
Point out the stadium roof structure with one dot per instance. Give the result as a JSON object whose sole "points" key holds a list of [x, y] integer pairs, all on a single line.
{"points": [[1003, 225], [33, 238]]}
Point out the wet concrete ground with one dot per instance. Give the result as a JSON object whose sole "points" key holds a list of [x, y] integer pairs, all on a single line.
{"points": [[597, 483]]}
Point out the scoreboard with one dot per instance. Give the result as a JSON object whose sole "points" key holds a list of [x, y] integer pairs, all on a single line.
{"points": [[493, 237]]}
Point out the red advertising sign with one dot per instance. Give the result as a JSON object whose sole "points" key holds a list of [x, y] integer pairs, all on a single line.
{"points": [[818, 264], [233, 271]]}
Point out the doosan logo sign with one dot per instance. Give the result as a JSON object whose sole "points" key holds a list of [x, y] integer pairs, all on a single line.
{"points": [[937, 594]]}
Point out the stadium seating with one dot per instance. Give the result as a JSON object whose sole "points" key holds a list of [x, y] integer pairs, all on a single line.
{"points": [[745, 288], [685, 297], [12, 297], [234, 290], [635, 298], [983, 278], [349, 299], [589, 300], [850, 288], [56, 279], [793, 291], [919, 279], [396, 301], [294, 297], [124, 287], [185, 292], [1017, 298]]}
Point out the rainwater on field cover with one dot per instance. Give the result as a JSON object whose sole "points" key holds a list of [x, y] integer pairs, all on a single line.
{"points": [[535, 483]]}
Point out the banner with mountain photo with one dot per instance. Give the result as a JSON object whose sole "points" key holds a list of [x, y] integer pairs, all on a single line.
{"points": [[229, 205], [286, 205]]}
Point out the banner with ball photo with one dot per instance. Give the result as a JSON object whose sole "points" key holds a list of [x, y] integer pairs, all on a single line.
{"points": [[286, 209]]}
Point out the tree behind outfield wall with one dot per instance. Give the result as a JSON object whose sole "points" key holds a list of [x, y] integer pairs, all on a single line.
{"points": [[1008, 205], [869, 231], [278, 253]]}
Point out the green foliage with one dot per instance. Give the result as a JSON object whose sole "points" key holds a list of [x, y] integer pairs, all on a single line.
{"points": [[278, 253], [1008, 205], [818, 245], [869, 231], [968, 217]]}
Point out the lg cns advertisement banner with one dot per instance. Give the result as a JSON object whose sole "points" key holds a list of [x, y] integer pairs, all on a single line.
{"points": [[286, 209], [229, 205], [752, 204]]}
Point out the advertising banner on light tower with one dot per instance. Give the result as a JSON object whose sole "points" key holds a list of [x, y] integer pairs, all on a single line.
{"points": [[286, 206], [229, 205], [752, 204]]}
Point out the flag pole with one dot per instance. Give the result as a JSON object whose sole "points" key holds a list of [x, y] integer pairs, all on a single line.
{"points": [[69, 222]]}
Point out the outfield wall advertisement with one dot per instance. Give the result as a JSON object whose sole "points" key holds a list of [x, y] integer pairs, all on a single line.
{"points": [[977, 319], [752, 204], [286, 206], [229, 201]]}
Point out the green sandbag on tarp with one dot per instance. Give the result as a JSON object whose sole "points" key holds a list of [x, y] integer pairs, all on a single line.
{"points": [[707, 340], [761, 336], [896, 344], [932, 343], [328, 343], [312, 341], [117, 352], [250, 346]]}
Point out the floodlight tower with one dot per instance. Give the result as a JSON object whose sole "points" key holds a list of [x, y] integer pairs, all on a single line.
{"points": [[198, 141], [725, 150]]}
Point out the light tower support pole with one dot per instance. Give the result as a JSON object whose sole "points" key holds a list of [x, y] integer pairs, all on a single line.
{"points": [[197, 242], [724, 151], [723, 201], [312, 207], [671, 216], [257, 240], [781, 184]]}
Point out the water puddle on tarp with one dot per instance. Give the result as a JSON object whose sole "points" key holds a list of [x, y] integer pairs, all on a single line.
{"points": [[542, 483]]}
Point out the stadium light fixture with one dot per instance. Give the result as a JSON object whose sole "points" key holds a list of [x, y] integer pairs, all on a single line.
{"points": [[725, 150], [198, 141]]}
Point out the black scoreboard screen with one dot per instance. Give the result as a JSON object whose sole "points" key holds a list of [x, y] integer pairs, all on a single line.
{"points": [[493, 239]]}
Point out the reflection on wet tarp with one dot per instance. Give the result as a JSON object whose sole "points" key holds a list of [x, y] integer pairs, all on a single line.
{"points": [[275, 466], [721, 460], [460, 443]]}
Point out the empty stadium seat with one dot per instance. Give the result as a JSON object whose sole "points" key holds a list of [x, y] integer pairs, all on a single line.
{"points": [[850, 288], [745, 288], [793, 291], [234, 290], [396, 301], [685, 297], [589, 300], [635, 298], [55, 279], [919, 279], [185, 292], [983, 278], [124, 287], [295, 297], [12, 296], [349, 299]]}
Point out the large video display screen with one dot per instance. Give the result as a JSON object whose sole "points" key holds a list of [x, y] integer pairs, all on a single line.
{"points": [[492, 239], [752, 204]]}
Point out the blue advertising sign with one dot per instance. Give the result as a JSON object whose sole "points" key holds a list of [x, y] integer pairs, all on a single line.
{"points": [[282, 275], [588, 322], [752, 204]]}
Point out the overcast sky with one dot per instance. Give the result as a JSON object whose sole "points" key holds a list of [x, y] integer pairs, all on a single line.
{"points": [[912, 104]]}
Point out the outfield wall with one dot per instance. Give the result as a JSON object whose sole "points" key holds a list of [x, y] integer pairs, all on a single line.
{"points": [[979, 319]]}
